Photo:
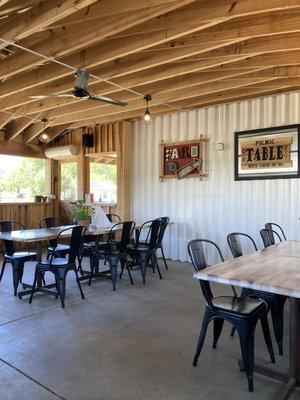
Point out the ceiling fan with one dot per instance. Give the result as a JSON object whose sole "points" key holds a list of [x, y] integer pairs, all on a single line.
{"points": [[81, 91]]}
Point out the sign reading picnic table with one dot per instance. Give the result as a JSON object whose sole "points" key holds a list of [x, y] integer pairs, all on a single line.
{"points": [[267, 153]]}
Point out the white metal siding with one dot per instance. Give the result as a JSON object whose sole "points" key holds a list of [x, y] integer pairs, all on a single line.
{"points": [[218, 205]]}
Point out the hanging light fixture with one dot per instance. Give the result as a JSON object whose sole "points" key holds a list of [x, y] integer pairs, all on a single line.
{"points": [[44, 137], [147, 115]]}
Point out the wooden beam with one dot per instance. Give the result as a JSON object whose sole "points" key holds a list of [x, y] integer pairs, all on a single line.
{"points": [[18, 127], [169, 85], [75, 39], [18, 149], [120, 47], [19, 26], [226, 54]]}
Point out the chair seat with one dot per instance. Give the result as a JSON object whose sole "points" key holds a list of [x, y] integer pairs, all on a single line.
{"points": [[56, 262], [21, 254], [60, 247], [237, 305], [139, 249], [103, 255]]}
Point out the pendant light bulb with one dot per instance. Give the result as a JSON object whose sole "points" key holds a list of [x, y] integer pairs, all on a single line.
{"points": [[44, 137], [147, 115]]}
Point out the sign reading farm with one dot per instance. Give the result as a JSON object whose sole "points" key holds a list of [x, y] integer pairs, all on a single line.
{"points": [[267, 153], [181, 159]]}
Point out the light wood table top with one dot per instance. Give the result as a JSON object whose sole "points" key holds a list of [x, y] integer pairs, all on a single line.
{"points": [[275, 269]]}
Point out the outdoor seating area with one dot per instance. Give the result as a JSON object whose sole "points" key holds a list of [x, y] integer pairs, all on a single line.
{"points": [[149, 200]]}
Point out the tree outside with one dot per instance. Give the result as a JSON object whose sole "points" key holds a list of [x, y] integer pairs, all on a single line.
{"points": [[21, 178]]}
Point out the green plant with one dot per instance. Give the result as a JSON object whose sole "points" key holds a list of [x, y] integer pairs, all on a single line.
{"points": [[82, 212]]}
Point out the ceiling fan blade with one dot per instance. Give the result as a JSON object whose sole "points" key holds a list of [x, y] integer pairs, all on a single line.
{"points": [[51, 96], [107, 100]]}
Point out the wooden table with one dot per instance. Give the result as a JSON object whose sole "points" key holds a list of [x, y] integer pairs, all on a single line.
{"points": [[275, 269], [37, 236]]}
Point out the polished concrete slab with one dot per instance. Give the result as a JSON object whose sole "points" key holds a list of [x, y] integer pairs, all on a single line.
{"points": [[135, 343]]}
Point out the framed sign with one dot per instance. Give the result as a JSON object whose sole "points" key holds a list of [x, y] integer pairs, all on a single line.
{"points": [[181, 159], [271, 153]]}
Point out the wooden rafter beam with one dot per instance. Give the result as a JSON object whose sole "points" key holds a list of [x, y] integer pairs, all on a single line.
{"points": [[75, 39], [120, 47], [18, 127], [174, 97], [19, 26], [175, 83]]}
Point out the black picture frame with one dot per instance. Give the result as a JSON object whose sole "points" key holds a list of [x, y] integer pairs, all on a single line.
{"points": [[265, 132]]}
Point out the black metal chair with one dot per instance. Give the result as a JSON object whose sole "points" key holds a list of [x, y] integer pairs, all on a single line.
{"points": [[242, 313], [60, 250], [159, 245], [275, 301], [269, 237], [17, 259], [61, 266], [272, 226], [113, 217], [146, 251], [114, 251]]}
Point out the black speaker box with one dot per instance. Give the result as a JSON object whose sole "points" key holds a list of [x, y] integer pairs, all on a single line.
{"points": [[88, 140]]}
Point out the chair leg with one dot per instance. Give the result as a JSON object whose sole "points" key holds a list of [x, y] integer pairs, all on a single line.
{"points": [[266, 331], [33, 286], [123, 263], [62, 286], [129, 273], [16, 277], [92, 267], [163, 256], [21, 271], [247, 348], [218, 325], [144, 258], [155, 263], [277, 314], [113, 264], [232, 331], [78, 283], [201, 338], [2, 269]]}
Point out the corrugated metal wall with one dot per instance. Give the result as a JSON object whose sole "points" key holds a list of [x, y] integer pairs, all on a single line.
{"points": [[214, 207]]}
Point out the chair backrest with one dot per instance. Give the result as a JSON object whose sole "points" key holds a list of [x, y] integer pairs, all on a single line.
{"points": [[8, 226], [234, 243], [127, 229], [272, 226], [197, 256], [50, 222], [75, 242], [113, 217], [268, 237], [156, 232], [165, 221]]}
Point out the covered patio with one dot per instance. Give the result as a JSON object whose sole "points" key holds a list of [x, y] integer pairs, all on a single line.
{"points": [[147, 147]]}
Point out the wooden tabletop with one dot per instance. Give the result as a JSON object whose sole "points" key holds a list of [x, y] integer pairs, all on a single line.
{"points": [[275, 269], [39, 235]]}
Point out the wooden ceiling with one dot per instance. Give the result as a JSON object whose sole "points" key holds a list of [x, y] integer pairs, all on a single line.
{"points": [[185, 53]]}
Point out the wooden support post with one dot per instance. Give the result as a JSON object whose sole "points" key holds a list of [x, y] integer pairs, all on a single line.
{"points": [[83, 173], [123, 148]]}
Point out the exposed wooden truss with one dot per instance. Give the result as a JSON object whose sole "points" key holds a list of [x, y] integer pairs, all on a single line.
{"points": [[185, 53]]}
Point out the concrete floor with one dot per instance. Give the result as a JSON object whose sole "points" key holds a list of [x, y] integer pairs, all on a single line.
{"points": [[135, 343]]}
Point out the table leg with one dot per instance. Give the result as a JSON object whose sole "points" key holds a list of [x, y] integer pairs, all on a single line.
{"points": [[292, 380]]}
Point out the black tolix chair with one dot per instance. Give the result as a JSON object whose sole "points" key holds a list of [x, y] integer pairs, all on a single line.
{"points": [[60, 267], [114, 251], [242, 313], [60, 250], [275, 301], [269, 237], [17, 259], [272, 226]]}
